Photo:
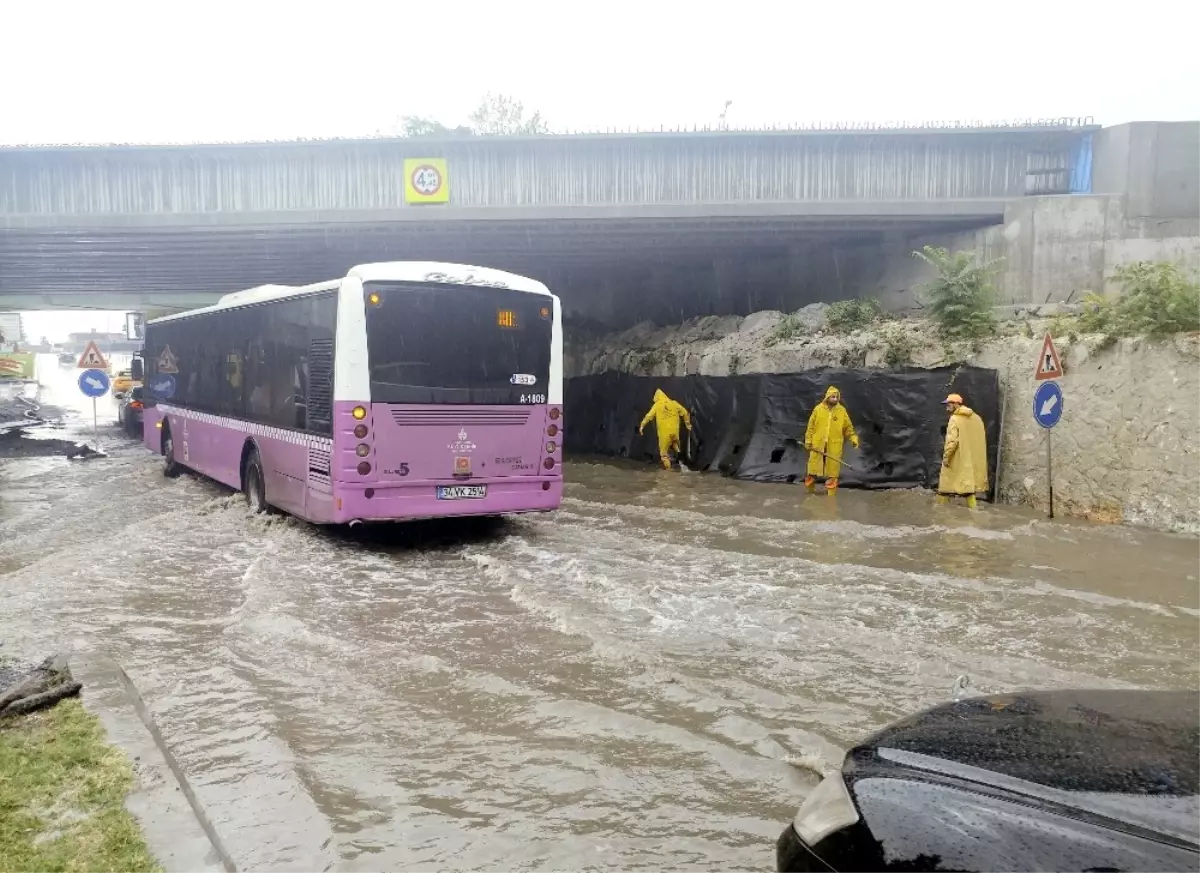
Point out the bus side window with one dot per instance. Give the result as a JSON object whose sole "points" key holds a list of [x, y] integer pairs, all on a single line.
{"points": [[300, 393], [259, 402]]}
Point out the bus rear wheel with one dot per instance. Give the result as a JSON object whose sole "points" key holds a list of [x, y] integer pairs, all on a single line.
{"points": [[171, 467], [254, 484]]}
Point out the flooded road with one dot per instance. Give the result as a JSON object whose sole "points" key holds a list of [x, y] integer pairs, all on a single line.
{"points": [[621, 685]]}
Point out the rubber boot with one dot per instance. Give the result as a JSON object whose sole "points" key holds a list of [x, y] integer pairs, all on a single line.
{"points": [[972, 503], [666, 461], [942, 499], [810, 483], [831, 486]]}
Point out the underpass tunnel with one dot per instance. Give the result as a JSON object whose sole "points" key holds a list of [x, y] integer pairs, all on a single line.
{"points": [[610, 273]]}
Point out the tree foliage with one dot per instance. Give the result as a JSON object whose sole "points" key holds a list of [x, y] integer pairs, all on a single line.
{"points": [[496, 115], [499, 115], [961, 296]]}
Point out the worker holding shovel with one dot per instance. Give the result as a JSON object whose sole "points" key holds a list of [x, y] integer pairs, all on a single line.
{"points": [[828, 428]]}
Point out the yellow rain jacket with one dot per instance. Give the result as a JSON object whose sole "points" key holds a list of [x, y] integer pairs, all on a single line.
{"points": [[828, 429], [666, 414], [964, 460]]}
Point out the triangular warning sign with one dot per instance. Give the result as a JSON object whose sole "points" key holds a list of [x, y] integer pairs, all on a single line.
{"points": [[91, 359], [167, 362], [1048, 364]]}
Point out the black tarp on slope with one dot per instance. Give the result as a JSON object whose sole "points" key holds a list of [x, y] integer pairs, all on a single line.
{"points": [[752, 427]]}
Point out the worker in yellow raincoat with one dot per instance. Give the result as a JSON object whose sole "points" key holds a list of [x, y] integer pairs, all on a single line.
{"points": [[828, 428], [666, 414], [964, 459]]}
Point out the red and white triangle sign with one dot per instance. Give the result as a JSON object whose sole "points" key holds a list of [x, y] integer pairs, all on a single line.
{"points": [[91, 359], [1049, 365]]}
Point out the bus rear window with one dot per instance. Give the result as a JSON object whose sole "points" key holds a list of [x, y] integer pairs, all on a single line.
{"points": [[455, 344]]}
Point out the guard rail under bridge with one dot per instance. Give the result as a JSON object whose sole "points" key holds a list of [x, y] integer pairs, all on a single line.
{"points": [[131, 224]]}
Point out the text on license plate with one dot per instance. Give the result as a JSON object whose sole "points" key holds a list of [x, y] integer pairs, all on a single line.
{"points": [[461, 492]]}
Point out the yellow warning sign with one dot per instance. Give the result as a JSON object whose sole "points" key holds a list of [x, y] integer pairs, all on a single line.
{"points": [[167, 362], [426, 181], [91, 359]]}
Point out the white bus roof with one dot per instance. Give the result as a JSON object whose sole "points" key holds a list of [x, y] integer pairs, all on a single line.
{"points": [[389, 271], [453, 274]]}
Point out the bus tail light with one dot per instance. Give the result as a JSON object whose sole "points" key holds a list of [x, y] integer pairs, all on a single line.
{"points": [[550, 447], [362, 450], [360, 430], [548, 463], [364, 468], [555, 413], [552, 430], [359, 412]]}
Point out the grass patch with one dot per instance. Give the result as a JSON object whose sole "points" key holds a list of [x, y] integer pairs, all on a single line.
{"points": [[62, 796], [847, 316], [899, 346], [790, 328]]}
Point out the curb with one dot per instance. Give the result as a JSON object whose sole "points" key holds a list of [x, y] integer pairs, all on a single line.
{"points": [[177, 830]]}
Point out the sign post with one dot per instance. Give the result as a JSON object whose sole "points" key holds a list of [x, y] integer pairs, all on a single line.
{"points": [[94, 384], [1048, 403], [93, 381]]}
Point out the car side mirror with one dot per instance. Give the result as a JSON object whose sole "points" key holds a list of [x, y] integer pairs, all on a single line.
{"points": [[137, 369]]}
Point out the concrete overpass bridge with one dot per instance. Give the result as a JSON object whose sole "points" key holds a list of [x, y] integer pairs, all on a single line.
{"points": [[155, 226]]}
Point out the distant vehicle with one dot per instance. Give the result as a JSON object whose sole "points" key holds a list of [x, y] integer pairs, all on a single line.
{"points": [[123, 382], [1064, 780], [402, 391], [67, 359], [130, 410]]}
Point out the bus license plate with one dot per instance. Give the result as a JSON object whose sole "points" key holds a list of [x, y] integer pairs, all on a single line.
{"points": [[461, 492]]}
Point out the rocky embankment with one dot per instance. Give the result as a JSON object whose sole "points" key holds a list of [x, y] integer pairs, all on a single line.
{"points": [[1126, 450]]}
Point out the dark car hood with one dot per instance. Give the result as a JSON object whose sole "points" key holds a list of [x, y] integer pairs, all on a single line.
{"points": [[1125, 756]]}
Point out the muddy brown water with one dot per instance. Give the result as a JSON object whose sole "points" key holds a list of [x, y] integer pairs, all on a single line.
{"points": [[621, 685]]}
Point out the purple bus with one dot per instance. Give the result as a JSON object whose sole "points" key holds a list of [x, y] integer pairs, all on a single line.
{"points": [[405, 390]]}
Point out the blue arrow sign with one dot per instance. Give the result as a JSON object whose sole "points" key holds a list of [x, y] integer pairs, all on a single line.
{"points": [[163, 385], [93, 383], [1047, 404]]}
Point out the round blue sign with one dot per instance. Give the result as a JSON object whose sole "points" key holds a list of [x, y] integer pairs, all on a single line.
{"points": [[163, 386], [93, 383], [1047, 404]]}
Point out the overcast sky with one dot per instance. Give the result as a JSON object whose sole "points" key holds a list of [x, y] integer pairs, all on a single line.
{"points": [[187, 71]]}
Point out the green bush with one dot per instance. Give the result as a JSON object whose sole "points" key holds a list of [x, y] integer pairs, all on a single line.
{"points": [[1095, 314], [788, 329], [1156, 299], [847, 316], [961, 298], [898, 346]]}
